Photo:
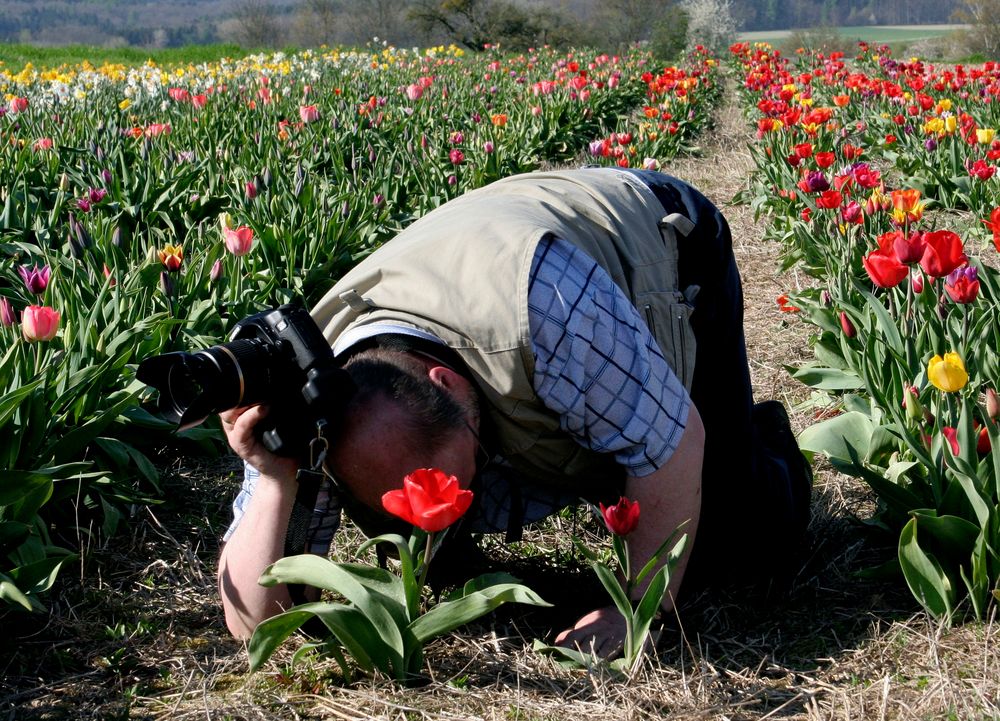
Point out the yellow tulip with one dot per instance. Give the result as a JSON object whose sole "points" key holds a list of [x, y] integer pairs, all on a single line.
{"points": [[947, 374], [984, 136]]}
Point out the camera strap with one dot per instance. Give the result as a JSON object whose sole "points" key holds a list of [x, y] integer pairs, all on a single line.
{"points": [[309, 480]]}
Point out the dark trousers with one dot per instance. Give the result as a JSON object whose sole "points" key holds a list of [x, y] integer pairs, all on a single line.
{"points": [[755, 481]]}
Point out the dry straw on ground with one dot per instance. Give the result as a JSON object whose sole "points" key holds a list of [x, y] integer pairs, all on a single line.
{"points": [[137, 632]]}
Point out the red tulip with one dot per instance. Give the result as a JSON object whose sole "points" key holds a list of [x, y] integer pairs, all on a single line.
{"points": [[18, 105], [622, 517], [829, 199], [942, 254], [982, 170], [825, 160], [456, 156], [847, 326], [784, 305], [983, 443], [884, 268], [909, 249], [429, 499], [39, 322], [952, 437]]}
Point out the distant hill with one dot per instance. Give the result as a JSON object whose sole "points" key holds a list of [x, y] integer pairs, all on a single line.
{"points": [[171, 23]]}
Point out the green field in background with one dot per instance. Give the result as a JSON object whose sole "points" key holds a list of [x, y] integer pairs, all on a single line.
{"points": [[14, 57], [870, 33]]}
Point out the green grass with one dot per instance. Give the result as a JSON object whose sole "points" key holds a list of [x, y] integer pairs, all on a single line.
{"points": [[14, 57], [871, 34]]}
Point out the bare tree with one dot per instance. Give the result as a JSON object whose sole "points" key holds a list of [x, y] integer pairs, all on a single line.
{"points": [[257, 24], [983, 19]]}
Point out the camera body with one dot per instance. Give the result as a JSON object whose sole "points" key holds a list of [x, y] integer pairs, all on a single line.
{"points": [[278, 357]]}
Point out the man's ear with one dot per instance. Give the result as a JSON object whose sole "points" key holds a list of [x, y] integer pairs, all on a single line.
{"points": [[444, 377]]}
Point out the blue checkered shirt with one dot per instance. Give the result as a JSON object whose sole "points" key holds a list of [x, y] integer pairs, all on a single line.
{"points": [[596, 365]]}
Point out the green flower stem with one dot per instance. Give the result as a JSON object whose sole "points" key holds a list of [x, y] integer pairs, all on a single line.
{"points": [[629, 587], [427, 560]]}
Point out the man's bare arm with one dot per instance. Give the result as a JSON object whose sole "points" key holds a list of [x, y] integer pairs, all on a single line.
{"points": [[667, 498]]}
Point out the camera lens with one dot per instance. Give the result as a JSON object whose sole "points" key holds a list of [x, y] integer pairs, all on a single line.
{"points": [[193, 386]]}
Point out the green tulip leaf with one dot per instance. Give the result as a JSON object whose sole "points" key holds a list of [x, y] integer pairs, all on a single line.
{"points": [[831, 379], [569, 658], [844, 437], [646, 611], [449, 615], [924, 575], [386, 613]]}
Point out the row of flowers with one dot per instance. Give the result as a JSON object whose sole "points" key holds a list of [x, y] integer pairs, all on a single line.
{"points": [[904, 302], [144, 210]]}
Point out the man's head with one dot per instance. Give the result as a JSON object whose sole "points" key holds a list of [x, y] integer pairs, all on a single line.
{"points": [[409, 411]]}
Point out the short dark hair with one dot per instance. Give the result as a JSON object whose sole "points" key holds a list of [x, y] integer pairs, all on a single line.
{"points": [[398, 376]]}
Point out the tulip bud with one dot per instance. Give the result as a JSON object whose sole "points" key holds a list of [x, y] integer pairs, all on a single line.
{"points": [[826, 299], [166, 283], [911, 401], [847, 326], [251, 189], [75, 249], [345, 209], [7, 316], [265, 178], [64, 182], [917, 280], [992, 404], [216, 271]]}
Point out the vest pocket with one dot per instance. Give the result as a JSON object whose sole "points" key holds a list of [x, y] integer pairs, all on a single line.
{"points": [[668, 316]]}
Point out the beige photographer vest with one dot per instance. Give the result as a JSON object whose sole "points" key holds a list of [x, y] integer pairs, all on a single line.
{"points": [[461, 273]]}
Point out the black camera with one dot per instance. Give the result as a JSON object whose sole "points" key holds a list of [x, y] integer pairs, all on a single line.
{"points": [[278, 357]]}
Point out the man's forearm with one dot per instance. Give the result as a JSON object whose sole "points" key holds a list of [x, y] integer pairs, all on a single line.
{"points": [[258, 541], [667, 498]]}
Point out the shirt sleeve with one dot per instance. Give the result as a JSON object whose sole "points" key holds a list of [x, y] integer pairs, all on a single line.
{"points": [[325, 519], [597, 365]]}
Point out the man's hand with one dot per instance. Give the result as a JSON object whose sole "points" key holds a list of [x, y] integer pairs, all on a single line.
{"points": [[238, 424], [601, 632]]}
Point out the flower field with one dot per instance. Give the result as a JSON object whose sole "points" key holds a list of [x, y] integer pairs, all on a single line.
{"points": [[878, 177], [147, 209]]}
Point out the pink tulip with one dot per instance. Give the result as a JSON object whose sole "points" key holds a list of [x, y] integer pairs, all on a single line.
{"points": [[39, 322], [238, 240], [456, 156], [18, 105], [308, 113], [155, 129], [414, 92], [42, 144], [199, 101]]}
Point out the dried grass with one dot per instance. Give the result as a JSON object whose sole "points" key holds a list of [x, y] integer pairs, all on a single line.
{"points": [[140, 635]]}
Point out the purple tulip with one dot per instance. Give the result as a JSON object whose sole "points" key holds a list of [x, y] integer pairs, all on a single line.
{"points": [[36, 280], [816, 182], [7, 315]]}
